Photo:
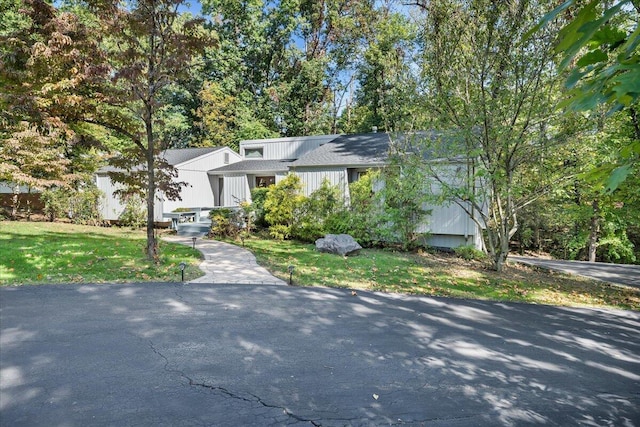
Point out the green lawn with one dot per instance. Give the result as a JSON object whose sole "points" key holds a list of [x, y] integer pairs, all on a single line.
{"points": [[436, 274], [42, 252]]}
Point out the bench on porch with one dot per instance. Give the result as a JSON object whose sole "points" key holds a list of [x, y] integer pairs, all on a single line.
{"points": [[188, 215]]}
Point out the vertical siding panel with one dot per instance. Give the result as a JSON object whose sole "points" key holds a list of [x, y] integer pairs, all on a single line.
{"points": [[312, 178], [286, 148], [236, 190], [110, 206]]}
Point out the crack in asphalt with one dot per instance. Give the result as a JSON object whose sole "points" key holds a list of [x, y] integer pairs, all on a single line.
{"points": [[226, 392], [256, 399]]}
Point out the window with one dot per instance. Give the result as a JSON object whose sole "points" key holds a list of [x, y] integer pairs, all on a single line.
{"points": [[355, 174], [226, 158], [265, 181], [253, 153]]}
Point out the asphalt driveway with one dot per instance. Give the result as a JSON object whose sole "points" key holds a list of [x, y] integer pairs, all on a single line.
{"points": [[221, 355], [623, 274]]}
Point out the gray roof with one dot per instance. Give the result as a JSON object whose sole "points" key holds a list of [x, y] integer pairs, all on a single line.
{"points": [[173, 156], [181, 155], [368, 149], [253, 165]]}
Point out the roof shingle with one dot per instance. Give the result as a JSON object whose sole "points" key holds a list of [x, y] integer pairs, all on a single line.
{"points": [[254, 165], [173, 156], [368, 149]]}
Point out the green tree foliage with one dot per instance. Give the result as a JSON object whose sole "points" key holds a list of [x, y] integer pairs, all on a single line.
{"points": [[80, 206], [599, 46], [280, 205], [491, 94], [286, 66], [32, 159], [149, 47], [51, 63], [315, 212], [402, 201], [580, 220], [386, 94]]}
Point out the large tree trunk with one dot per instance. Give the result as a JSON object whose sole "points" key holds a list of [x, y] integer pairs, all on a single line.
{"points": [[15, 202], [151, 192], [594, 231]]}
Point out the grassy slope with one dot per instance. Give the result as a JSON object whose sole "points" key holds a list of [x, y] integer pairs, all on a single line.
{"points": [[64, 253], [433, 274]]}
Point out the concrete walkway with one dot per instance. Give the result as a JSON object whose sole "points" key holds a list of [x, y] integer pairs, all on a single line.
{"points": [[227, 264]]}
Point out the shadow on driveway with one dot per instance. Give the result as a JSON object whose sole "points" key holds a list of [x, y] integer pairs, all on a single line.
{"points": [[178, 355]]}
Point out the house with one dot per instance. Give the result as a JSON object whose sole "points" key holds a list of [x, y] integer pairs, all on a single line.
{"points": [[220, 177], [341, 159], [192, 165], [264, 162]]}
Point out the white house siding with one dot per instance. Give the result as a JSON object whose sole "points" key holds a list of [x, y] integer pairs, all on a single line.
{"points": [[448, 219], [201, 190], [110, 206], [210, 161], [235, 190], [312, 179], [198, 192], [280, 176], [450, 241], [450, 227], [285, 148]]}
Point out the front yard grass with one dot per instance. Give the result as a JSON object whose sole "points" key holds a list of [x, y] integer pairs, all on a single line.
{"points": [[42, 252], [436, 274]]}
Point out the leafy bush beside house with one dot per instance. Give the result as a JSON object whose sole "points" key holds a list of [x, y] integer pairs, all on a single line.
{"points": [[258, 197], [389, 214], [226, 222], [280, 205], [135, 212], [81, 206], [401, 200], [314, 212]]}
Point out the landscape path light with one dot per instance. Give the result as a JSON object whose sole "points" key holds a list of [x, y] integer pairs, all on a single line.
{"points": [[182, 267], [291, 268]]}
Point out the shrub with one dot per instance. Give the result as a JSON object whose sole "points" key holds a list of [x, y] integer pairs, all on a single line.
{"points": [[282, 200], [280, 231], [470, 253], [55, 200], [227, 222], [84, 206], [134, 213], [258, 197], [359, 219], [313, 213], [402, 199], [80, 206]]}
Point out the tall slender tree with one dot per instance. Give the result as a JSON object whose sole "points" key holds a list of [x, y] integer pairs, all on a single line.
{"points": [[149, 46], [491, 91]]}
